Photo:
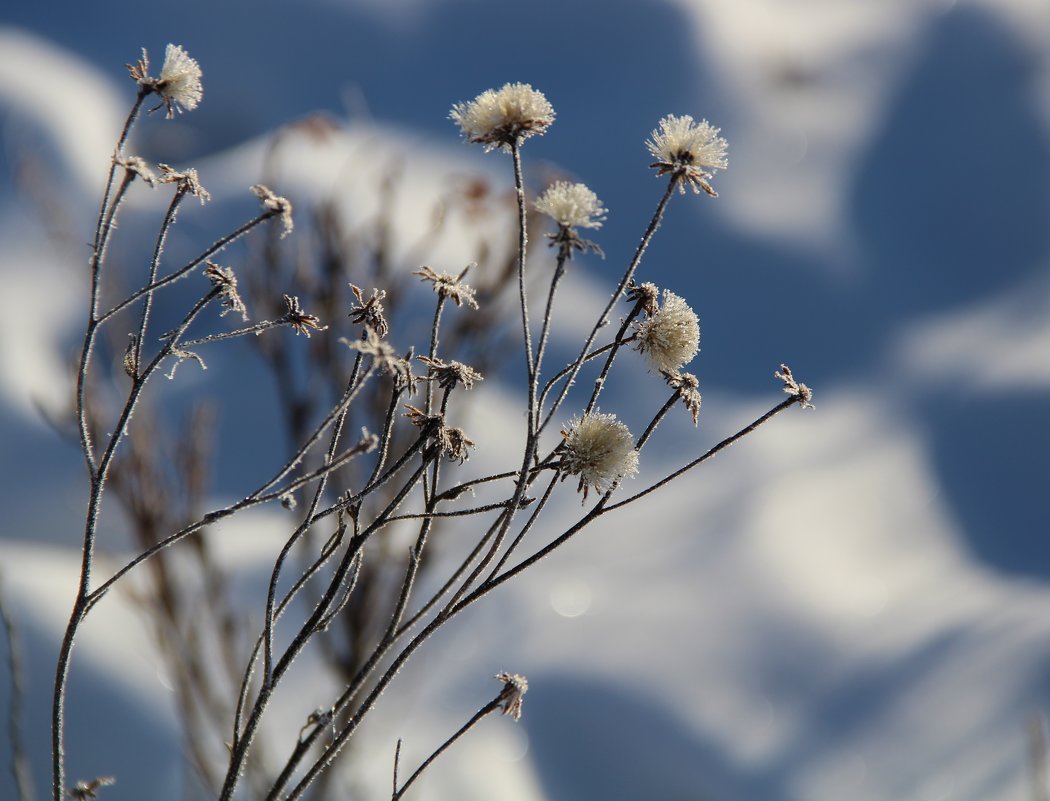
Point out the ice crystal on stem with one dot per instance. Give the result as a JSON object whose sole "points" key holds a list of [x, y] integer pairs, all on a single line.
{"points": [[500, 118], [600, 450], [688, 150], [670, 337]]}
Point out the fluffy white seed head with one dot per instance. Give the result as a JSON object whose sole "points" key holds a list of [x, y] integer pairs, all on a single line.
{"points": [[571, 205], [501, 117], [691, 151], [600, 450], [180, 80], [684, 141], [670, 337]]}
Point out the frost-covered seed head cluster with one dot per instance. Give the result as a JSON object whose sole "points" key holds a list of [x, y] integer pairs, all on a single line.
{"points": [[503, 117], [670, 337], [180, 81], [689, 150], [600, 450], [571, 205]]}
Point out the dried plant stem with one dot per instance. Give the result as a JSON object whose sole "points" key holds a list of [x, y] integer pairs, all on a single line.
{"points": [[602, 508], [20, 773], [528, 525], [258, 328], [82, 602], [523, 243], [647, 236], [271, 593], [490, 707], [183, 271], [154, 266], [559, 271], [107, 218], [308, 629], [721, 446]]}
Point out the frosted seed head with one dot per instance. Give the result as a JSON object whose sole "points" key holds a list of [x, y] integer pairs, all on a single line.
{"points": [[670, 337], [500, 118]]}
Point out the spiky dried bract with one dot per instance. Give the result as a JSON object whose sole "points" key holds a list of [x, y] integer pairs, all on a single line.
{"points": [[300, 320], [500, 118], [571, 205], [369, 312], [180, 81], [670, 337], [224, 279], [448, 374], [688, 390], [186, 181], [279, 206], [795, 388], [513, 693], [600, 450], [688, 150], [646, 296], [138, 166], [449, 286]]}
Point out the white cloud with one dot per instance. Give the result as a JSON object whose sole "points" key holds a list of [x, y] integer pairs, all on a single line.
{"points": [[995, 344]]}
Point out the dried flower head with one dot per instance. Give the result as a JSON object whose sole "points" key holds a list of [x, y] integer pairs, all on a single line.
{"points": [[369, 313], [385, 358], [421, 419], [138, 166], [449, 286], [454, 443], [600, 450], [504, 117], [689, 151], [179, 84], [300, 320], [688, 390], [277, 206], [799, 391], [448, 374], [223, 279], [513, 693], [84, 790], [571, 205], [670, 337], [186, 182]]}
